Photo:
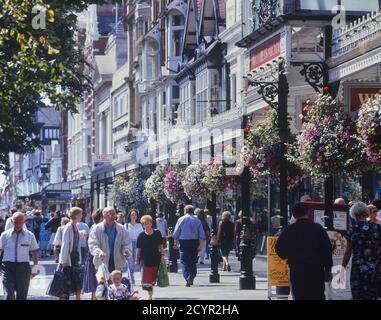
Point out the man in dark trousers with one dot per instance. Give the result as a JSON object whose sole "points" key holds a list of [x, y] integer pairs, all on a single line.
{"points": [[307, 248], [16, 243], [189, 233]]}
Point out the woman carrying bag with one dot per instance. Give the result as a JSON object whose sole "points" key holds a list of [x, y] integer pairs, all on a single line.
{"points": [[70, 256], [150, 251]]}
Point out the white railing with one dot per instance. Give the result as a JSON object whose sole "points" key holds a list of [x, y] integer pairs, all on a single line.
{"points": [[356, 33]]}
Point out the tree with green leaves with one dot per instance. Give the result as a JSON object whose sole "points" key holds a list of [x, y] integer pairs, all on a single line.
{"points": [[41, 65]]}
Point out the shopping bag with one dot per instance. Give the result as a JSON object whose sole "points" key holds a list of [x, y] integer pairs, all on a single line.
{"points": [[102, 274], [57, 287], [101, 292], [162, 275]]}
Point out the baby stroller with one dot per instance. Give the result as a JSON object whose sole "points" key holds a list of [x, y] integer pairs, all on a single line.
{"points": [[103, 277]]}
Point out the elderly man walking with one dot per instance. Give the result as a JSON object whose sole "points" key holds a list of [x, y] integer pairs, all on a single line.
{"points": [[307, 248], [190, 234], [16, 244], [109, 242]]}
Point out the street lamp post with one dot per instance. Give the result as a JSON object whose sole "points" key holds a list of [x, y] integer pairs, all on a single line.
{"points": [[246, 279], [275, 93]]}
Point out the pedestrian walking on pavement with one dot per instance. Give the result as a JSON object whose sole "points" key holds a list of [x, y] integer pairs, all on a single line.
{"points": [[84, 232], [307, 248], [162, 226], [363, 245], [225, 238], [134, 228], [16, 244], [9, 221], [57, 242], [200, 213], [373, 214], [109, 242], [53, 224], [149, 253], [190, 234], [70, 255], [90, 282], [120, 218], [44, 238]]}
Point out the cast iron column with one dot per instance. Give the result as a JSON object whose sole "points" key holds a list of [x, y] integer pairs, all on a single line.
{"points": [[98, 189], [282, 123], [91, 195], [214, 276], [246, 279], [105, 188]]}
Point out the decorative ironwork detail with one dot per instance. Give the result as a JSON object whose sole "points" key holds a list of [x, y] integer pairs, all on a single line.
{"points": [[314, 74], [268, 89], [269, 93], [267, 11]]}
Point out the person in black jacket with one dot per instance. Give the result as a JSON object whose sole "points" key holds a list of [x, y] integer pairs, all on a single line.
{"points": [[307, 248], [53, 224]]}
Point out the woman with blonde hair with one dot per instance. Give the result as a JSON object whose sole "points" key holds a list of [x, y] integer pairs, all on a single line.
{"points": [[149, 252], [70, 255], [225, 237]]}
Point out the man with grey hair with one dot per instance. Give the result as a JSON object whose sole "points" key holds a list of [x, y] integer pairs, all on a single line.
{"points": [[16, 244], [109, 242], [190, 233]]}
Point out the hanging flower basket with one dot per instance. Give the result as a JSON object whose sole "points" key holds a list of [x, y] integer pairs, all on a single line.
{"points": [[369, 126], [154, 186], [262, 150], [214, 179], [328, 143], [120, 192], [173, 187], [193, 181]]}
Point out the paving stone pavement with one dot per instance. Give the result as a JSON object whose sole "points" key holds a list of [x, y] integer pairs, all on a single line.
{"points": [[227, 289]]}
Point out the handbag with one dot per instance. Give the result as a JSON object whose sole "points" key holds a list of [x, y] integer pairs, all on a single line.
{"points": [[162, 275], [57, 287]]}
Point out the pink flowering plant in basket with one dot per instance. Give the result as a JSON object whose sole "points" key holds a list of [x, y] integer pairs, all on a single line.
{"points": [[214, 179], [328, 143], [263, 147], [173, 187], [369, 127]]}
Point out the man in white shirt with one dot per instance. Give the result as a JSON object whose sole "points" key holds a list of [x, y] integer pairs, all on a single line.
{"points": [[16, 244]]}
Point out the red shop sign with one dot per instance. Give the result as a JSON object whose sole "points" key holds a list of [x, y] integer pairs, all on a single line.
{"points": [[360, 96], [265, 52]]}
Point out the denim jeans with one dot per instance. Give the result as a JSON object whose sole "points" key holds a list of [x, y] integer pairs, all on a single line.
{"points": [[131, 261], [188, 258]]}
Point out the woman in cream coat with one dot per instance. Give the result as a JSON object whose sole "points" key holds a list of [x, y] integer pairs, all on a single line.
{"points": [[70, 255]]}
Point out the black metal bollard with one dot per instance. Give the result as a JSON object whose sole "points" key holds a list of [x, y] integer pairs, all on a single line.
{"points": [[173, 255]]}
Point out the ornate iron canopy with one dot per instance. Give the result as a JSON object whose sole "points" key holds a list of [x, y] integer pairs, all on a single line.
{"points": [[267, 81], [314, 73]]}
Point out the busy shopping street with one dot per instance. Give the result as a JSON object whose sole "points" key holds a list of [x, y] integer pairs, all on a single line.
{"points": [[226, 290], [185, 150]]}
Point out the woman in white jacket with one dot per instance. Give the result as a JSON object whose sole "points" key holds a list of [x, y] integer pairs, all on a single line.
{"points": [[70, 255], [58, 237]]}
